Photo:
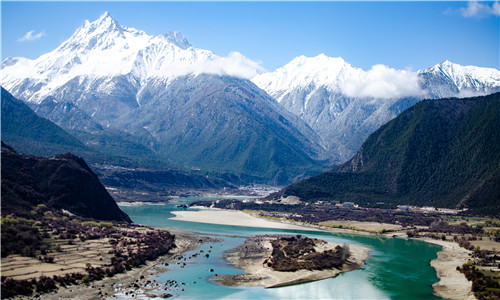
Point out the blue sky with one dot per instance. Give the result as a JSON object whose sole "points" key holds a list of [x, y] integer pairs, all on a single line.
{"points": [[401, 35]]}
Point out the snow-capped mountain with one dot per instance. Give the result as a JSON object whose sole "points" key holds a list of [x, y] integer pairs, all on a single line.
{"points": [[112, 84], [453, 80], [106, 49], [124, 92], [302, 72], [345, 104]]}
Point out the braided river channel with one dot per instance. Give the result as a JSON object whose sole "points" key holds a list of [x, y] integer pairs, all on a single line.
{"points": [[397, 268]]}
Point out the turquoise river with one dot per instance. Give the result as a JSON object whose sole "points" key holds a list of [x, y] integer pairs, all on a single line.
{"points": [[397, 268]]}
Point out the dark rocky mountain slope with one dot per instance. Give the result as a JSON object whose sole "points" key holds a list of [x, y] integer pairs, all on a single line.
{"points": [[442, 153], [60, 182]]}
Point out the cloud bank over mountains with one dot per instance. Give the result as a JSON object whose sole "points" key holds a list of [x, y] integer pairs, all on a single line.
{"points": [[384, 82], [235, 64]]}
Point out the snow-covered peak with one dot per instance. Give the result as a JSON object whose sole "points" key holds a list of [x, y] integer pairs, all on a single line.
{"points": [[104, 22], [456, 71], [104, 49], [466, 80], [303, 71], [178, 39]]}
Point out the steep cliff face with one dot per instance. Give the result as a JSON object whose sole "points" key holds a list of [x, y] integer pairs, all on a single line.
{"points": [[60, 182]]}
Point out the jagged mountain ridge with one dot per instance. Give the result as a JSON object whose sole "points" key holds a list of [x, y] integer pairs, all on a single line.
{"points": [[344, 104], [102, 53], [453, 80], [168, 97], [441, 153], [103, 79]]}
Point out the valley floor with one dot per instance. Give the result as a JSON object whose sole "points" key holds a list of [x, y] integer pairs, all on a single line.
{"points": [[452, 284]]}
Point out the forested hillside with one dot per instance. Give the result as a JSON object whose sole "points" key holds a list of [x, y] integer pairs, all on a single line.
{"points": [[442, 153]]}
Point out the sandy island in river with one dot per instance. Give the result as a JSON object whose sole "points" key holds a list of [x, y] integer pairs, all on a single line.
{"points": [[252, 254], [451, 285], [232, 217]]}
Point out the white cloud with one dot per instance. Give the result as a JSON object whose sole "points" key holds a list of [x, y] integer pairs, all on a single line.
{"points": [[31, 36], [383, 82], [480, 9], [235, 64]]}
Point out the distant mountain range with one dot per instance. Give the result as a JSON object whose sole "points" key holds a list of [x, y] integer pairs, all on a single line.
{"points": [[157, 100], [441, 153], [344, 104]]}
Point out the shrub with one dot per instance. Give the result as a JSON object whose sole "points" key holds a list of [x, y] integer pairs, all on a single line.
{"points": [[45, 284], [11, 288]]}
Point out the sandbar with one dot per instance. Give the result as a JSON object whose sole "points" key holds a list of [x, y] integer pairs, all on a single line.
{"points": [[451, 285], [250, 257], [234, 218]]}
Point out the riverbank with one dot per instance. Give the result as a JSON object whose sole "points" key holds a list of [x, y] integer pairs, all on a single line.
{"points": [[451, 285], [136, 282], [251, 255]]}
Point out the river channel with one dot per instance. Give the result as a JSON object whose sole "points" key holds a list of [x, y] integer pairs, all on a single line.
{"points": [[397, 269]]}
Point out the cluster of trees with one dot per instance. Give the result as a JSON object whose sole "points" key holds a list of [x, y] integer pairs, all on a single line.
{"points": [[298, 253], [462, 233], [149, 246], [11, 287], [484, 287], [462, 228]]}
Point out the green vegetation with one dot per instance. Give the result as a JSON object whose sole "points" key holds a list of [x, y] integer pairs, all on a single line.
{"points": [[97, 224], [441, 153], [25, 130]]}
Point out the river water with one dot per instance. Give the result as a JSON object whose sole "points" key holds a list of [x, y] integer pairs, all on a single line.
{"points": [[397, 268]]}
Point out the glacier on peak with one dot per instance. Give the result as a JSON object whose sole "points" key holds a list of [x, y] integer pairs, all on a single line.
{"points": [[105, 49]]}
